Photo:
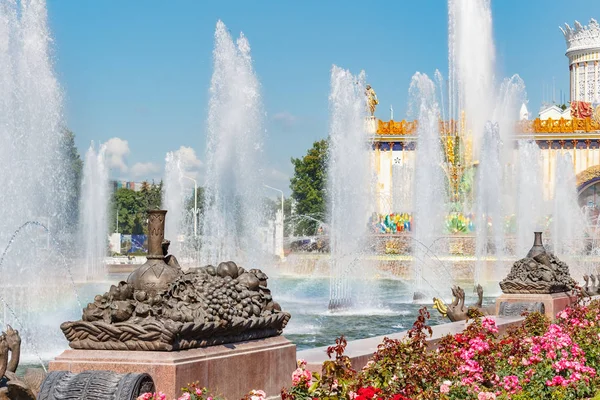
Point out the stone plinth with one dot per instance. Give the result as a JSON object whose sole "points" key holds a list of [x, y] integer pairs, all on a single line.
{"points": [[553, 302], [230, 370]]}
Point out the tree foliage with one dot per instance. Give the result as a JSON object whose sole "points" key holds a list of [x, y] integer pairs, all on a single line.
{"points": [[308, 185], [132, 207], [74, 172]]}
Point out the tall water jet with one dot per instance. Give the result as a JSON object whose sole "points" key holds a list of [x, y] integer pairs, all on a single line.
{"points": [[233, 186], [530, 209], [471, 56], [174, 195], [430, 198], [37, 181], [402, 184], [183, 227], [93, 212], [349, 186], [568, 225], [490, 215], [474, 95]]}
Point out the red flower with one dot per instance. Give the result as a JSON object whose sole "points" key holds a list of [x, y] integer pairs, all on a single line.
{"points": [[368, 392]]}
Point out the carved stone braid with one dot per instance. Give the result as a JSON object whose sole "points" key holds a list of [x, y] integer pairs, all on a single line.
{"points": [[94, 385], [157, 336]]}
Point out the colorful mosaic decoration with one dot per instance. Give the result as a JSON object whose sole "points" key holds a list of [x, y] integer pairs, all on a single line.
{"points": [[574, 125]]}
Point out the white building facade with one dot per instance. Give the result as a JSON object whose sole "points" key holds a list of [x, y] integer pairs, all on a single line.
{"points": [[583, 51]]}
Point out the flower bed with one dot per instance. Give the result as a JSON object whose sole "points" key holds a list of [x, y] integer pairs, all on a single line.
{"points": [[536, 360]]}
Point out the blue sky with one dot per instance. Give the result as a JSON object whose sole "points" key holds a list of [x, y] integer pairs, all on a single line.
{"points": [[140, 70]]}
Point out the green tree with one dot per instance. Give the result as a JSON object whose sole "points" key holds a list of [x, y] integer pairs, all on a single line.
{"points": [[308, 185], [132, 207], [73, 176]]}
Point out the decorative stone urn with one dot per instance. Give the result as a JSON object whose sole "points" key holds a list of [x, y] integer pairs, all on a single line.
{"points": [[154, 275], [538, 246], [539, 272], [539, 282]]}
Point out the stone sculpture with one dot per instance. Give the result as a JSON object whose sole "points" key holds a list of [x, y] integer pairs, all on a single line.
{"points": [[95, 385], [371, 100], [160, 307], [457, 311], [508, 309], [594, 288], [539, 272], [11, 386]]}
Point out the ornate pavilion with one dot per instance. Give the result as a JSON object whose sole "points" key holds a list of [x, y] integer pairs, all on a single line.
{"points": [[574, 129]]}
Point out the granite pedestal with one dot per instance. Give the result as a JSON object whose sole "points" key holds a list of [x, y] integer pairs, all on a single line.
{"points": [[553, 302], [229, 370]]}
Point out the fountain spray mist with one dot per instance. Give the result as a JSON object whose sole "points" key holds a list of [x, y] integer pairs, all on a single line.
{"points": [[530, 201], [429, 196], [234, 183], [93, 212], [37, 182], [490, 113], [471, 55], [568, 224], [350, 193], [490, 216], [174, 195]]}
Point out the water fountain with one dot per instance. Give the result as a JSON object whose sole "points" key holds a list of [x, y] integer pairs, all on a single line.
{"points": [[568, 225], [530, 202], [471, 140], [349, 187], [429, 194], [93, 213], [37, 182], [490, 240], [233, 187], [174, 194]]}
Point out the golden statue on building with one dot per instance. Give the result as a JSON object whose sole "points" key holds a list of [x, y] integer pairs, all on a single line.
{"points": [[371, 99]]}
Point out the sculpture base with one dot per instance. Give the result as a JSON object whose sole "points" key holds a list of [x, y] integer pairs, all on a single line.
{"points": [[230, 370], [553, 302]]}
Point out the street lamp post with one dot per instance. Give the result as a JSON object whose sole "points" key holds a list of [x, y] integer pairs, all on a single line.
{"points": [[280, 191], [279, 231], [195, 211]]}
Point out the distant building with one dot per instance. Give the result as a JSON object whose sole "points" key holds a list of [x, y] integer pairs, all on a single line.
{"points": [[135, 186], [574, 130]]}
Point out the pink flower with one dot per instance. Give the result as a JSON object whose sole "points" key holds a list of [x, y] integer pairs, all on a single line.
{"points": [[301, 363], [444, 388], [511, 383], [301, 377], [153, 396], [199, 391], [352, 395], [486, 396], [490, 325], [185, 396]]}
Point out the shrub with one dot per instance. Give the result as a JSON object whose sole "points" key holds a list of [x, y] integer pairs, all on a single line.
{"points": [[535, 360]]}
